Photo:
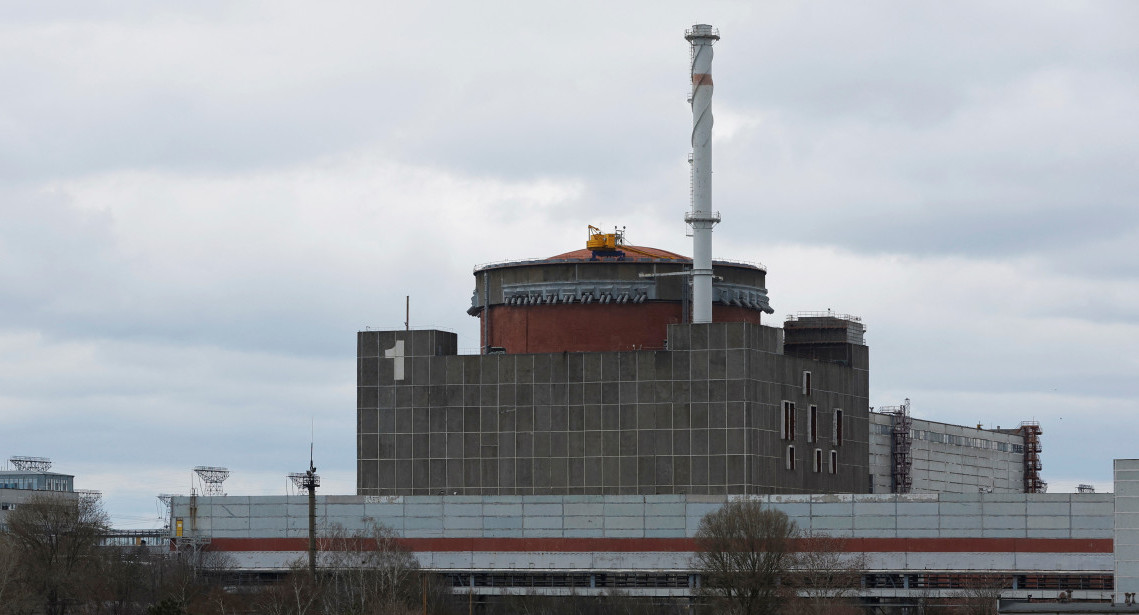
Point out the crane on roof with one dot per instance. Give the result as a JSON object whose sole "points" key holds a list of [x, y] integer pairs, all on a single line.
{"points": [[613, 244]]}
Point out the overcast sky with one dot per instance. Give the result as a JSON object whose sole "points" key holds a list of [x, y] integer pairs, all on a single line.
{"points": [[201, 203]]}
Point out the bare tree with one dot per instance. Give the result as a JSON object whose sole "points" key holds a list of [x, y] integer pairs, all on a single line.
{"points": [[117, 580], [613, 602], [14, 598], [827, 576], [366, 573], [744, 553], [981, 594], [55, 538], [297, 593]]}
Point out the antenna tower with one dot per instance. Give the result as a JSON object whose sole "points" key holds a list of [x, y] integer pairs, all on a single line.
{"points": [[309, 481], [212, 479], [31, 464]]}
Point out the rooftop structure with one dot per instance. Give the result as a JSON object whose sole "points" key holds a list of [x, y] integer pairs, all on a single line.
{"points": [[212, 478], [31, 464], [36, 481], [601, 301], [823, 336]]}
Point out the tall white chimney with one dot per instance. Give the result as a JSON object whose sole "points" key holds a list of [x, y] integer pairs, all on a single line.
{"points": [[702, 218]]}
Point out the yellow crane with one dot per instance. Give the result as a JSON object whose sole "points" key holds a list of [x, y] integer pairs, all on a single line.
{"points": [[615, 242]]}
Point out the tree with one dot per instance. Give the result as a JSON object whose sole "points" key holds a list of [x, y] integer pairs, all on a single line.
{"points": [[367, 572], [295, 594], [981, 594], [117, 579], [55, 538], [14, 597], [744, 552], [826, 575], [613, 602], [357, 572]]}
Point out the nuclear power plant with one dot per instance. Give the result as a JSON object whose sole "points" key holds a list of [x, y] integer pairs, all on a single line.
{"points": [[621, 392]]}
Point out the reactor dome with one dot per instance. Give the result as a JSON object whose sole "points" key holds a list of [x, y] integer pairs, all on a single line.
{"points": [[606, 297]]}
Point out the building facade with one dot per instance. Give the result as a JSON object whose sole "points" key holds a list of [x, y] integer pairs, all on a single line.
{"points": [[919, 545], [946, 458], [20, 486], [724, 410]]}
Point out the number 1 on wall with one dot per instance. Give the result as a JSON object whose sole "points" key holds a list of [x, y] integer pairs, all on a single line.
{"points": [[396, 354]]}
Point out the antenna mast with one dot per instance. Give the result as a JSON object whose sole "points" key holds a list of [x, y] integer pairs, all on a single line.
{"points": [[212, 479], [309, 481], [31, 464]]}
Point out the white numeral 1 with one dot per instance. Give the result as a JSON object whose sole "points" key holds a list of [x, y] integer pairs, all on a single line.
{"points": [[396, 353]]}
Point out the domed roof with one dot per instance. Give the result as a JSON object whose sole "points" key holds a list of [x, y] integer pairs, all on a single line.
{"points": [[586, 254]]}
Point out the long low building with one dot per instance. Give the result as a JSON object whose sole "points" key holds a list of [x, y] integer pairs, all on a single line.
{"points": [[917, 544]]}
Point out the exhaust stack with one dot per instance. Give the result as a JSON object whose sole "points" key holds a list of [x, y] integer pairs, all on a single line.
{"points": [[702, 218]]}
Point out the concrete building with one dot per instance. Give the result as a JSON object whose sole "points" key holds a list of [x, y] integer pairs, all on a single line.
{"points": [[1127, 526], [944, 458], [724, 410], [20, 485], [919, 545]]}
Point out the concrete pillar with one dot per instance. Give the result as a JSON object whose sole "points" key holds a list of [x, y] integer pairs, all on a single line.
{"points": [[1126, 536]]}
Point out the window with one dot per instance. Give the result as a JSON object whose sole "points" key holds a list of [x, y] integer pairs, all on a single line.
{"points": [[791, 457], [812, 423], [806, 383], [834, 462], [787, 424], [837, 427], [819, 460]]}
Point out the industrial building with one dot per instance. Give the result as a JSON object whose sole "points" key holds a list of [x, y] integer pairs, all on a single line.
{"points": [[919, 545], [722, 410], [909, 455], [30, 477], [622, 392], [620, 369]]}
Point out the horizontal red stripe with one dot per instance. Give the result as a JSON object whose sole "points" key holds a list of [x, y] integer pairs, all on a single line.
{"points": [[688, 545]]}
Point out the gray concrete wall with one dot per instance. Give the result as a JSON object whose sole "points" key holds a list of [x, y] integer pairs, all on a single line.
{"points": [[1126, 527], [928, 516], [701, 417], [965, 460], [1045, 515], [10, 499]]}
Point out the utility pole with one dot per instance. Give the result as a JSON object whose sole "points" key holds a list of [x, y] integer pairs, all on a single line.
{"points": [[309, 481]]}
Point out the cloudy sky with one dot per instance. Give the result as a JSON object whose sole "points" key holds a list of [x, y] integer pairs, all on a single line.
{"points": [[201, 203]]}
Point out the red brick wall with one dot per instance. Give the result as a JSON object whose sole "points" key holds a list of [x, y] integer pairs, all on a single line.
{"points": [[577, 327]]}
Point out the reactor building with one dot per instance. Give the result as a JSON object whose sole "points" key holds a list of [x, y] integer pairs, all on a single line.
{"points": [[620, 370], [622, 392]]}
